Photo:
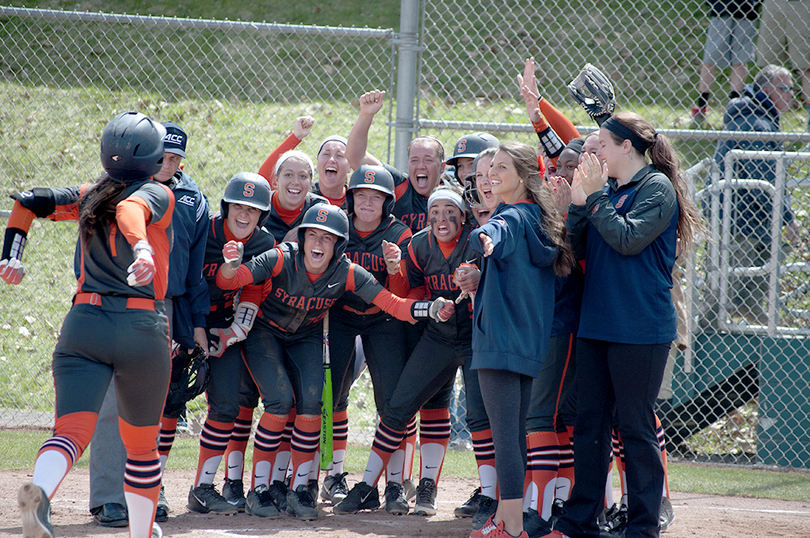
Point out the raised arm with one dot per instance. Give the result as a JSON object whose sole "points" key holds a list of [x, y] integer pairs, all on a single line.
{"points": [[357, 146]]}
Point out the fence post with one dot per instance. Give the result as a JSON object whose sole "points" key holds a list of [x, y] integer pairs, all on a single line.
{"points": [[408, 50]]}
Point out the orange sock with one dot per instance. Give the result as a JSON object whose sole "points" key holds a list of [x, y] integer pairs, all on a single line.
{"points": [[265, 447], [565, 474], [168, 430], [659, 432], [434, 436], [141, 476], [543, 460], [386, 442], [213, 441], [618, 453], [305, 440], [484, 451], [410, 450], [237, 445], [340, 439]]}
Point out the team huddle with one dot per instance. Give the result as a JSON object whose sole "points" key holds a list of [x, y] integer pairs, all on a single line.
{"points": [[504, 259]]}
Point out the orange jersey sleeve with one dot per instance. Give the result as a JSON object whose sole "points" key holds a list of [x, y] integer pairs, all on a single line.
{"points": [[268, 169], [558, 121], [132, 215]]}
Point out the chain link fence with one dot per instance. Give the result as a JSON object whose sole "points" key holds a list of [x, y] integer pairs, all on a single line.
{"points": [[740, 382]]}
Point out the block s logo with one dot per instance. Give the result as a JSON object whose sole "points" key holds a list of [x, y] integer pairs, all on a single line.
{"points": [[461, 147], [370, 176], [322, 215], [248, 190]]}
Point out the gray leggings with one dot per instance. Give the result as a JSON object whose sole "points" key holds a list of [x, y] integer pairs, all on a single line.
{"points": [[503, 392]]}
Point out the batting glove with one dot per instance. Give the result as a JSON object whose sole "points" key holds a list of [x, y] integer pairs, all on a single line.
{"points": [[225, 338], [11, 267], [142, 270], [232, 252], [12, 270], [441, 309]]}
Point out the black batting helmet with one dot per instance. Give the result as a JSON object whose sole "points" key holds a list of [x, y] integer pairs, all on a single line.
{"points": [[372, 177], [326, 217], [190, 375], [248, 189], [471, 145], [132, 147]]}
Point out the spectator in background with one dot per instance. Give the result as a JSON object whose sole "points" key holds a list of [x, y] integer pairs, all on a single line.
{"points": [[759, 108], [785, 36], [729, 42]]}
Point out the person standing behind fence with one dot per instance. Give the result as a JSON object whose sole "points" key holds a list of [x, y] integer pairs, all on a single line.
{"points": [[627, 234], [186, 327], [784, 35], [729, 42], [759, 108], [116, 328]]}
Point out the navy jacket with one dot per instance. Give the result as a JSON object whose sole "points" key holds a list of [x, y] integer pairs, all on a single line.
{"points": [[628, 235], [187, 287], [514, 304], [752, 111]]}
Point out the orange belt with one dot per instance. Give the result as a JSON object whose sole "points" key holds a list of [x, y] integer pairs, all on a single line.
{"points": [[133, 303], [373, 310]]}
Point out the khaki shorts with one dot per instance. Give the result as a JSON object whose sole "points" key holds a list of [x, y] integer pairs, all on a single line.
{"points": [[784, 34]]}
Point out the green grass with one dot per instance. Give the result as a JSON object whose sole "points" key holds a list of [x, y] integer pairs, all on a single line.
{"points": [[18, 450]]}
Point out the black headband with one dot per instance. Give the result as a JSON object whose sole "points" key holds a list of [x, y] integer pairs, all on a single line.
{"points": [[615, 126]]}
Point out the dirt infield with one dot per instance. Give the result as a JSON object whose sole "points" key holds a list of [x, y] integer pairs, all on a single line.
{"points": [[696, 515]]}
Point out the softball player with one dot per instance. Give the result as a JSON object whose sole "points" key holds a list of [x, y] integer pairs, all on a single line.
{"points": [[466, 150], [295, 287], [186, 327], [293, 171], [333, 170], [116, 325], [425, 164], [434, 254], [370, 199], [244, 207], [627, 232]]}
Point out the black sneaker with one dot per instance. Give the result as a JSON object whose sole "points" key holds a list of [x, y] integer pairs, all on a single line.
{"points": [[470, 506], [35, 509], [205, 498], [665, 514], [234, 492], [334, 488], [395, 502], [615, 522], [301, 504], [278, 491], [361, 497], [260, 503], [426, 498], [312, 486], [162, 510], [557, 507], [486, 508], [534, 524]]}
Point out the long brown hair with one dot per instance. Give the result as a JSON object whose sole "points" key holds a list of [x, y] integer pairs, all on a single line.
{"points": [[524, 159], [666, 161], [97, 205]]}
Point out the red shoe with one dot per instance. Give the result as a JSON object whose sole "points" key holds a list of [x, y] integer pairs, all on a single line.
{"points": [[491, 530]]}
